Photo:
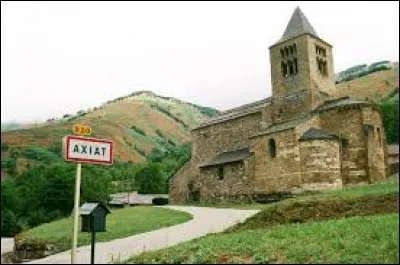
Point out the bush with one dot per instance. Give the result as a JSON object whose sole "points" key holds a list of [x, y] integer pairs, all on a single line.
{"points": [[160, 201], [391, 120], [150, 180], [4, 147], [39, 154], [138, 130], [159, 133]]}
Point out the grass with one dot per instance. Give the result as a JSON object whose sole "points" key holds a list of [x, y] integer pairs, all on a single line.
{"points": [[372, 239], [120, 223], [322, 209]]}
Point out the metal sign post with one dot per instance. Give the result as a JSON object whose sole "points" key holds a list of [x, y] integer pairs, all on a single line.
{"points": [[76, 213], [92, 250], [87, 150]]}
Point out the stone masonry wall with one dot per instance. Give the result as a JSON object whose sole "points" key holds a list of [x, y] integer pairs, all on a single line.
{"points": [[320, 164], [320, 82], [237, 180], [178, 184], [208, 142], [347, 124], [229, 135], [279, 173], [377, 152], [283, 85]]}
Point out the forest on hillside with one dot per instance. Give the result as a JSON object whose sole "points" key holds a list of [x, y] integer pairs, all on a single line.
{"points": [[44, 191]]}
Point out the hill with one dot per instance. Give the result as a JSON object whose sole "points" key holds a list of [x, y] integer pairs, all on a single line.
{"points": [[138, 123], [375, 85]]}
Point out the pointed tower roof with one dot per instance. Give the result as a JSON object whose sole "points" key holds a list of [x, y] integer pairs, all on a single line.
{"points": [[298, 25]]}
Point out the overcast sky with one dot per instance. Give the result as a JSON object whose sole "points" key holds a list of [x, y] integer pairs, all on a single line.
{"points": [[61, 57]]}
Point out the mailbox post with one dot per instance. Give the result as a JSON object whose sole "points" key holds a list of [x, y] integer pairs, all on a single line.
{"points": [[93, 220]]}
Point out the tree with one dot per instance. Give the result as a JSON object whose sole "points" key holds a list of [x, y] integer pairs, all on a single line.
{"points": [[150, 180]]}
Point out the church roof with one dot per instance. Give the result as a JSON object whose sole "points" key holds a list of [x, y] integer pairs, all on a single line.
{"points": [[341, 102], [316, 134], [236, 112], [284, 125], [298, 25], [228, 157]]}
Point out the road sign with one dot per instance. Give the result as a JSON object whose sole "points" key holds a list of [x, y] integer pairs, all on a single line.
{"points": [[82, 129], [88, 150]]}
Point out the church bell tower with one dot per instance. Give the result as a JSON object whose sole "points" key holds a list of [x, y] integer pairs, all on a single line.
{"points": [[301, 62]]}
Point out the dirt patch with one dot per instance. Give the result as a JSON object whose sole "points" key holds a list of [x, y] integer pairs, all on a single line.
{"points": [[234, 258], [308, 211]]}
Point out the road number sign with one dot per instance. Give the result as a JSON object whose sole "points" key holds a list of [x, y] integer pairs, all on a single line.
{"points": [[88, 150], [82, 129]]}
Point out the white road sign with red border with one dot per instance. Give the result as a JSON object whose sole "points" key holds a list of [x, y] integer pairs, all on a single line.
{"points": [[88, 150]]}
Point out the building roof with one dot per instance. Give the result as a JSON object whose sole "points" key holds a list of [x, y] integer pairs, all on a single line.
{"points": [[236, 112], [341, 102], [316, 134], [298, 25], [87, 208], [228, 157], [285, 125]]}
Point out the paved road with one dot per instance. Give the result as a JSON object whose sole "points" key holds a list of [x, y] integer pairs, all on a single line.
{"points": [[7, 244], [205, 220]]}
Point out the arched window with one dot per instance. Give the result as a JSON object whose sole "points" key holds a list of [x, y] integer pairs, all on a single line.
{"points": [[319, 65], [291, 71], [326, 68], [286, 51], [345, 145], [282, 53], [295, 66], [221, 173], [291, 50], [272, 148], [284, 69], [294, 48], [378, 130]]}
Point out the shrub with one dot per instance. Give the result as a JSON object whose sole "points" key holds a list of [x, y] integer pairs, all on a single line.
{"points": [[150, 180], [138, 130], [4, 147], [159, 133], [140, 151], [39, 154], [391, 120], [160, 201]]}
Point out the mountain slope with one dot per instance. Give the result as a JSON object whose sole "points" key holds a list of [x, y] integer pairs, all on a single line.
{"points": [[137, 123], [374, 86]]}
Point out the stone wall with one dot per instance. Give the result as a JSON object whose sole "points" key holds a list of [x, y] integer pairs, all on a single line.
{"points": [[376, 143], [320, 82], [208, 142], [363, 157], [178, 184], [320, 164], [237, 180], [284, 85], [308, 76], [279, 173], [232, 134], [347, 124], [288, 107]]}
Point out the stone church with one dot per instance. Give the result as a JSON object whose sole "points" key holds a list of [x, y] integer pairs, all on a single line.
{"points": [[300, 138]]}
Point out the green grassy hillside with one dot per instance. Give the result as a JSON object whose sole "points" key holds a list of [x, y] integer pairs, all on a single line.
{"points": [[137, 123]]}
